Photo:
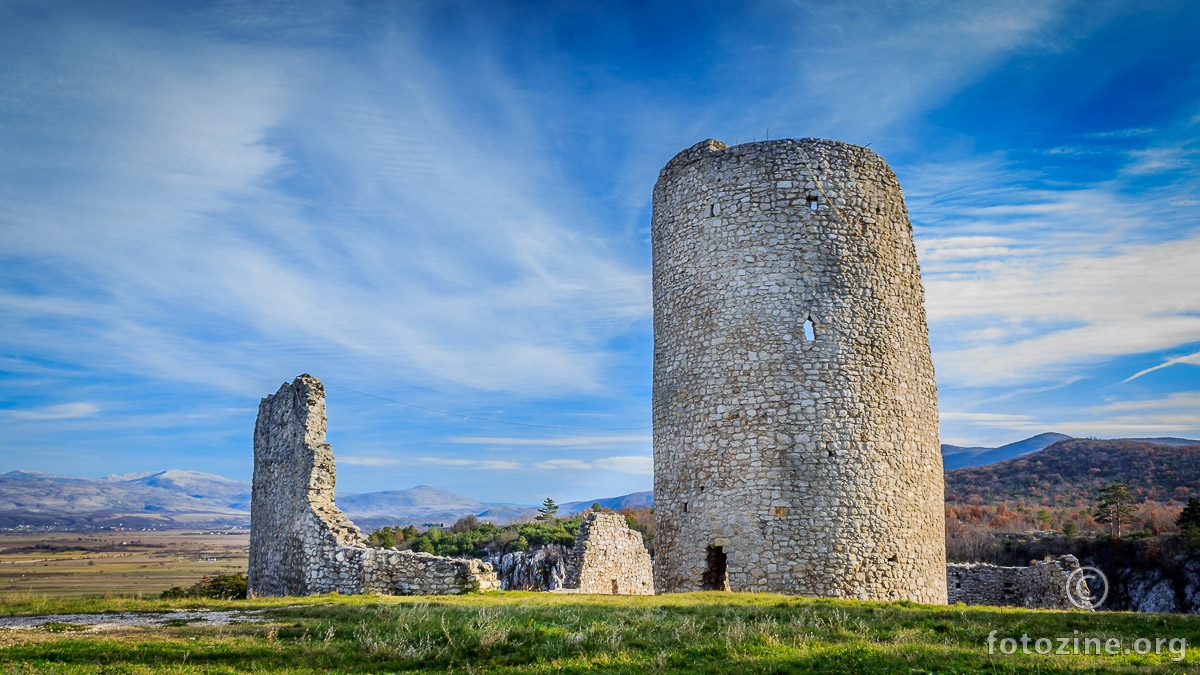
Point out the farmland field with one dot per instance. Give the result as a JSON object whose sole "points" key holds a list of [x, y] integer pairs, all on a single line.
{"points": [[77, 564]]}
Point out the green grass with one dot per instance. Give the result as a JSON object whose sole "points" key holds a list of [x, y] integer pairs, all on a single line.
{"points": [[533, 633]]}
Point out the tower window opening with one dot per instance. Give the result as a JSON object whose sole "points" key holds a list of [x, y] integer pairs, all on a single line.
{"points": [[685, 507], [812, 203], [716, 573], [810, 332], [615, 589]]}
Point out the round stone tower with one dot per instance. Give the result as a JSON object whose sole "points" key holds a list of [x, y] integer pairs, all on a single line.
{"points": [[795, 410]]}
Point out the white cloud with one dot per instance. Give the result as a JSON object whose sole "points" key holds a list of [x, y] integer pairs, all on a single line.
{"points": [[1052, 315], [642, 466], [561, 441], [1174, 415], [489, 465], [865, 67], [636, 465], [367, 461], [1192, 359], [984, 418], [570, 464], [63, 411], [433, 243]]}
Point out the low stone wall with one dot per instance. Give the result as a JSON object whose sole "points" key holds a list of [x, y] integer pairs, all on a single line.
{"points": [[392, 572], [1042, 585], [609, 558], [543, 569], [300, 542]]}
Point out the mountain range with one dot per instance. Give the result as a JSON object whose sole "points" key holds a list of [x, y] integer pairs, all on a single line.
{"points": [[187, 499], [191, 499]]}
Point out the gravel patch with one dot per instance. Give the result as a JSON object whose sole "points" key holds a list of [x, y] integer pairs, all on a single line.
{"points": [[98, 622]]}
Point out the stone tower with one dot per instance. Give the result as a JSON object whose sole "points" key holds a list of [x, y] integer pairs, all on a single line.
{"points": [[795, 409]]}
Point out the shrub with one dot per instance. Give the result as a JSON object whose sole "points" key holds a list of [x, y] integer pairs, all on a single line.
{"points": [[221, 587]]}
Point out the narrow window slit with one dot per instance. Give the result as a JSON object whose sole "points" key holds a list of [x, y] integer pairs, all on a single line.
{"points": [[810, 332], [812, 203]]}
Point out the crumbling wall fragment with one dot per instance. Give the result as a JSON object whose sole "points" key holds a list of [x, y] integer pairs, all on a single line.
{"points": [[609, 558], [300, 541], [1042, 585]]}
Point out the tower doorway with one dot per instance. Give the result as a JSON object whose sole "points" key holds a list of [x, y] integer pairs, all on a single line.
{"points": [[716, 574]]}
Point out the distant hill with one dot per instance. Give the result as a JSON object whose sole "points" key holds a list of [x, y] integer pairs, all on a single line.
{"points": [[633, 500], [955, 457], [186, 499], [1075, 469], [162, 499]]}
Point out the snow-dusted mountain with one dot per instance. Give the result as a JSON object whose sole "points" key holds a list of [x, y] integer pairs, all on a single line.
{"points": [[174, 498]]}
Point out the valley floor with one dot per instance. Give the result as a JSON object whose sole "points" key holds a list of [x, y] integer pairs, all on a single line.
{"points": [[534, 633], [77, 564]]}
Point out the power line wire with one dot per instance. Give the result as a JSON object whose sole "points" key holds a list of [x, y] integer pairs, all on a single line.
{"points": [[481, 419]]}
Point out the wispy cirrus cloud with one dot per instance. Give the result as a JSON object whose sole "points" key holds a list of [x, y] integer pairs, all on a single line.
{"points": [[1191, 359], [631, 464], [351, 460], [476, 464], [61, 411], [555, 442]]}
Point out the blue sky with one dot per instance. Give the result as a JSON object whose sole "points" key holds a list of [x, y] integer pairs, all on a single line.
{"points": [[447, 204]]}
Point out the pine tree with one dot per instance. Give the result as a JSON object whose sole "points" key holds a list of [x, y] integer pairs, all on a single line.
{"points": [[549, 510], [1189, 523], [1115, 507]]}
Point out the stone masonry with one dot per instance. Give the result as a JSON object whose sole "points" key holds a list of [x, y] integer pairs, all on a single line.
{"points": [[300, 542], [794, 405], [1042, 585], [609, 558]]}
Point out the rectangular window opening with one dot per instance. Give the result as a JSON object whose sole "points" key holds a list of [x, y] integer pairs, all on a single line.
{"points": [[810, 332]]}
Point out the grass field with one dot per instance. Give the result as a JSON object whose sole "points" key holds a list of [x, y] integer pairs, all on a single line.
{"points": [[76, 564], [536, 633], [60, 573]]}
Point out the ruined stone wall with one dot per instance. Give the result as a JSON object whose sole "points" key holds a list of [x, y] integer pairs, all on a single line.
{"points": [[1042, 585], [795, 409], [609, 558], [392, 572], [300, 542]]}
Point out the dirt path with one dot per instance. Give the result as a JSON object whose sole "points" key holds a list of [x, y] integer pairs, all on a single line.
{"points": [[99, 622]]}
